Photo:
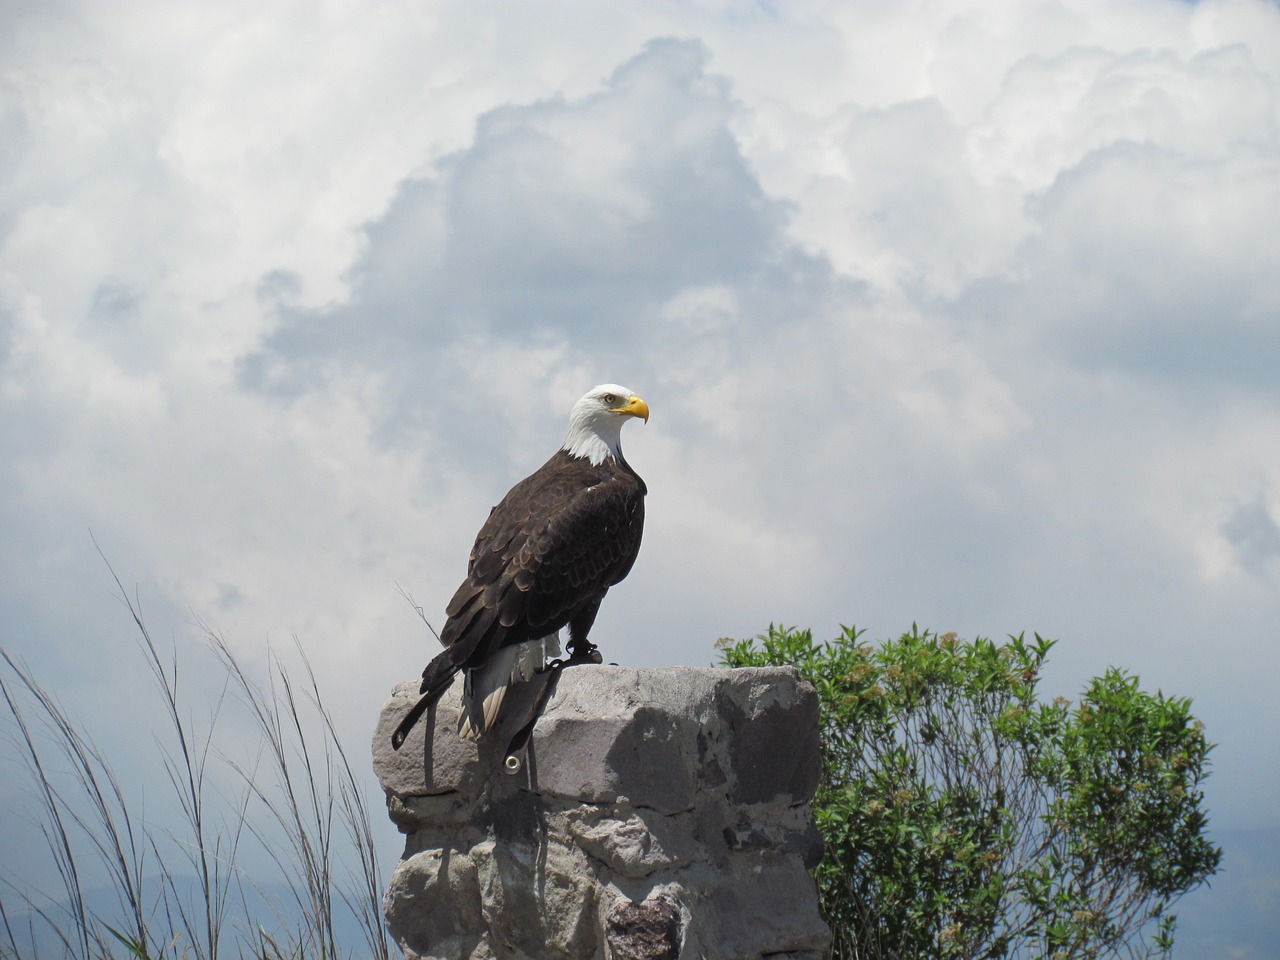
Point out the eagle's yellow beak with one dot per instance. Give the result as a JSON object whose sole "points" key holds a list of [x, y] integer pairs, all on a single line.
{"points": [[634, 407]]}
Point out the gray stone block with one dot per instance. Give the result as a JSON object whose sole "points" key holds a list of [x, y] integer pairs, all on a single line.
{"points": [[658, 815]]}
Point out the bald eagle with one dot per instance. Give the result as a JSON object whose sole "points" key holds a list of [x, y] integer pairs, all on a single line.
{"points": [[544, 560]]}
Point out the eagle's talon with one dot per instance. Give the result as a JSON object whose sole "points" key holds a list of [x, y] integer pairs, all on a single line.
{"points": [[584, 652]]}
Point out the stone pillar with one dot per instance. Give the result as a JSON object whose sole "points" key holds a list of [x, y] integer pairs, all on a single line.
{"points": [[658, 815]]}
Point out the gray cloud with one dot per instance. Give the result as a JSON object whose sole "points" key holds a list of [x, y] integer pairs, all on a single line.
{"points": [[1254, 533], [1144, 262], [563, 219]]}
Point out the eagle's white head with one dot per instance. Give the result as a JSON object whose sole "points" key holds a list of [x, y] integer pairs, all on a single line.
{"points": [[595, 423]]}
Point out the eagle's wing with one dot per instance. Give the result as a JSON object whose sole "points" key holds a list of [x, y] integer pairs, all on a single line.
{"points": [[556, 542]]}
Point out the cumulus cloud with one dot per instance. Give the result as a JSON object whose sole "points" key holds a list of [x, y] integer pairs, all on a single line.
{"points": [[563, 220]]}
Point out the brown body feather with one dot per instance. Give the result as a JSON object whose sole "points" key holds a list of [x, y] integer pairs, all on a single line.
{"points": [[544, 560], [546, 557]]}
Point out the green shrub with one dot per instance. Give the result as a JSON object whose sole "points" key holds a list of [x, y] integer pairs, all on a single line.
{"points": [[963, 817]]}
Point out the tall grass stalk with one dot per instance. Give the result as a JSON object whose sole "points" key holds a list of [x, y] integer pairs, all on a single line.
{"points": [[300, 801]]}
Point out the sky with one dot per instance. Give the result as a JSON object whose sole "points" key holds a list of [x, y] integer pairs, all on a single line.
{"points": [[964, 314]]}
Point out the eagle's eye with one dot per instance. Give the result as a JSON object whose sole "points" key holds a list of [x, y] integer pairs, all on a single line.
{"points": [[610, 399]]}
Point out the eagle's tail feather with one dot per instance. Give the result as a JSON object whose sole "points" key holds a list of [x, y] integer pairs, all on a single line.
{"points": [[486, 687]]}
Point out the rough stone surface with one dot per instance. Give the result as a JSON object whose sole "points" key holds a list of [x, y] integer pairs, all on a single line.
{"points": [[644, 931], [658, 815]]}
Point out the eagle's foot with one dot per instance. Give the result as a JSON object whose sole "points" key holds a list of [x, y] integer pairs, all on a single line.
{"points": [[583, 651]]}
